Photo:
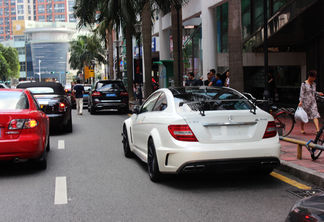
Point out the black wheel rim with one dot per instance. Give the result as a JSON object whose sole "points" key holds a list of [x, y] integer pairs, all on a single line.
{"points": [[150, 161], [125, 140], [316, 152], [284, 123]]}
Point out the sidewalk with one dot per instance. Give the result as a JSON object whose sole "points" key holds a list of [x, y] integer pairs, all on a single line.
{"points": [[306, 169]]}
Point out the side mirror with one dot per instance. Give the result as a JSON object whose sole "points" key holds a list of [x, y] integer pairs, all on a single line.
{"points": [[136, 109]]}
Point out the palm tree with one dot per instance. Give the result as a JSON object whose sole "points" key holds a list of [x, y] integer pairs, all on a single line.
{"points": [[235, 48], [85, 51]]}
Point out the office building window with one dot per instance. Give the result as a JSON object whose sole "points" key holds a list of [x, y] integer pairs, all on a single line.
{"points": [[41, 9], [22, 66], [21, 17], [21, 51], [40, 1], [49, 18], [49, 8], [59, 8], [41, 18], [20, 9], [71, 5], [72, 18], [60, 18]]}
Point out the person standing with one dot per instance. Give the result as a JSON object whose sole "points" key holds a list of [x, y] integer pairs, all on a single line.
{"points": [[192, 81], [216, 81], [307, 100], [78, 90], [227, 79]]}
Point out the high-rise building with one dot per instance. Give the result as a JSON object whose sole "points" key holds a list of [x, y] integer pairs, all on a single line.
{"points": [[54, 10], [33, 10]]}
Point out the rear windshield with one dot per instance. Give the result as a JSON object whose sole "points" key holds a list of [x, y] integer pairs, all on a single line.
{"points": [[208, 98], [110, 86], [10, 100], [41, 90]]}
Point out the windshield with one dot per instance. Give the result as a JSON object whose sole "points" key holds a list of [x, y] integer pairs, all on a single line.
{"points": [[110, 86], [41, 90], [208, 98], [13, 100]]}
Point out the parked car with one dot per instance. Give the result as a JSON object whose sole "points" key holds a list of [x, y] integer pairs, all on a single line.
{"points": [[69, 92], [193, 129], [310, 209], [87, 91], [53, 101], [108, 94], [3, 86], [24, 128]]}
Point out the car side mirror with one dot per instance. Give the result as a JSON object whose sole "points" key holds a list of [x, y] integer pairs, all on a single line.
{"points": [[136, 109]]}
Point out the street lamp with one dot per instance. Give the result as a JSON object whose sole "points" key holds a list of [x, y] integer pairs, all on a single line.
{"points": [[39, 70]]}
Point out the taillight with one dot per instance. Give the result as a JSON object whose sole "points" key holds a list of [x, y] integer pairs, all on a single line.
{"points": [[17, 124], [95, 94], [182, 133], [271, 130], [61, 107], [124, 94]]}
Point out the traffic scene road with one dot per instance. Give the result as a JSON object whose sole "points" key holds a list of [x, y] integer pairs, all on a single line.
{"points": [[88, 178]]}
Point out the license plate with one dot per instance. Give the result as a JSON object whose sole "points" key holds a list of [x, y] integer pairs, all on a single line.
{"points": [[111, 95]]}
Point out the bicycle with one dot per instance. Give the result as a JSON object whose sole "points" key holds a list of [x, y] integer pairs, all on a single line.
{"points": [[284, 117]]}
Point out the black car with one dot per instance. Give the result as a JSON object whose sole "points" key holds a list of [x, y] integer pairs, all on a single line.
{"points": [[310, 209], [53, 101], [87, 90], [108, 94]]}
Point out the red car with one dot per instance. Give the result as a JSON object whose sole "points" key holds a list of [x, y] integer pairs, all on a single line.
{"points": [[24, 128]]}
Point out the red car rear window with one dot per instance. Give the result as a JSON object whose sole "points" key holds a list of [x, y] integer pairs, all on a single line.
{"points": [[12, 100]]}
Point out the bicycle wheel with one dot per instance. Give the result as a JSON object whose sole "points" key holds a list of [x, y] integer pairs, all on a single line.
{"points": [[285, 123], [315, 154]]}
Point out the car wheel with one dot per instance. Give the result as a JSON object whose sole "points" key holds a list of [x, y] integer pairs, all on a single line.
{"points": [[68, 127], [41, 162], [48, 147], [152, 163], [92, 110], [127, 152]]}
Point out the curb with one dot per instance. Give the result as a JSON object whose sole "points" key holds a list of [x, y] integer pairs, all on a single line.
{"points": [[302, 173]]}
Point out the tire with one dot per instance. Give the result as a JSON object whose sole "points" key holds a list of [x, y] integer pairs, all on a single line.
{"points": [[68, 127], [92, 110], [41, 162], [152, 163], [285, 123], [316, 153], [127, 152], [48, 147]]}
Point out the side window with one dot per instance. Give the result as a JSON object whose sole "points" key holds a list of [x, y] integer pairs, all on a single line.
{"points": [[161, 104], [149, 104]]}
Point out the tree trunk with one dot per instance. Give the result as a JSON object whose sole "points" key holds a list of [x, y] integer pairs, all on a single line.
{"points": [[176, 14], [147, 48], [129, 63], [235, 44], [110, 55]]}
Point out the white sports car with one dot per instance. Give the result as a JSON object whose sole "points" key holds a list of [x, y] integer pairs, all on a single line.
{"points": [[193, 129]]}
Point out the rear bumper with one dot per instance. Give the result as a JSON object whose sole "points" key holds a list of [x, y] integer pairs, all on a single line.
{"points": [[57, 119], [218, 156], [25, 147]]}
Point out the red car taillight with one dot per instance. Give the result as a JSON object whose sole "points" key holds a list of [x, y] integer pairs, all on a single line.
{"points": [[124, 94], [17, 124], [61, 107], [271, 130], [95, 94], [182, 133]]}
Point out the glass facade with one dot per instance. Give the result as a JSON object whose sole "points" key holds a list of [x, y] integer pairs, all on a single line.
{"points": [[222, 27]]}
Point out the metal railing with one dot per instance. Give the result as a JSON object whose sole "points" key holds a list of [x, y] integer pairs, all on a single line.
{"points": [[300, 144]]}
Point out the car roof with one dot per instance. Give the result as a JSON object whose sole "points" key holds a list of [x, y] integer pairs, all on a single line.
{"points": [[58, 88]]}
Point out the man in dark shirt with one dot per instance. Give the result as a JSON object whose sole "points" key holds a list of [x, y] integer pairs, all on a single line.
{"points": [[78, 90], [192, 81]]}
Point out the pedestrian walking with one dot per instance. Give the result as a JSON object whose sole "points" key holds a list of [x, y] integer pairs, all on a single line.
{"points": [[78, 90], [307, 100]]}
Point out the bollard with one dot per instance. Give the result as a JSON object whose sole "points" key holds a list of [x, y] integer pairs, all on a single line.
{"points": [[299, 151]]}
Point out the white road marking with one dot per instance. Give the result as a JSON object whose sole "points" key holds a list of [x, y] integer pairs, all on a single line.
{"points": [[60, 191], [61, 145]]}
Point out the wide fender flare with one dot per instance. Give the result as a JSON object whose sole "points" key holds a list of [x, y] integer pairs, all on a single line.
{"points": [[155, 135], [128, 123]]}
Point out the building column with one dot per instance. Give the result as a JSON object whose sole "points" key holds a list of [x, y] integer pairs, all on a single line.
{"points": [[209, 38], [164, 40]]}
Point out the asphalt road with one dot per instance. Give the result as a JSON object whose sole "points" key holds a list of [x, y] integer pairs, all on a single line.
{"points": [[102, 185]]}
